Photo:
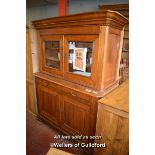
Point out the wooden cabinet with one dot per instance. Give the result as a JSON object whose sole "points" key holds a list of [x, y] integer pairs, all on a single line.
{"points": [[112, 122], [82, 48], [65, 108], [79, 63]]}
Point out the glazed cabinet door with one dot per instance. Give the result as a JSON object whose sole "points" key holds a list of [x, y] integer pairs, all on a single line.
{"points": [[81, 54], [48, 104], [75, 117], [51, 55]]}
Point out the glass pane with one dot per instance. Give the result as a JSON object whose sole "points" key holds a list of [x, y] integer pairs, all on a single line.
{"points": [[52, 54], [80, 57]]}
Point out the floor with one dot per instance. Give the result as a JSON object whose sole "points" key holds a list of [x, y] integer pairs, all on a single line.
{"points": [[39, 136]]}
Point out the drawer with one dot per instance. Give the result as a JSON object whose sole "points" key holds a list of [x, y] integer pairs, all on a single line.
{"points": [[48, 84], [76, 94]]}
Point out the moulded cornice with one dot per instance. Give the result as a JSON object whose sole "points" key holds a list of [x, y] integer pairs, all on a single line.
{"points": [[108, 17]]}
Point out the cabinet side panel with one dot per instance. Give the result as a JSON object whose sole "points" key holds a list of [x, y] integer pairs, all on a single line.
{"points": [[101, 53], [121, 143], [106, 128], [114, 132], [112, 57]]}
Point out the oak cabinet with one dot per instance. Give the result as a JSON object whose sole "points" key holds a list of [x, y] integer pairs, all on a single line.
{"points": [[79, 63], [66, 109], [83, 48]]}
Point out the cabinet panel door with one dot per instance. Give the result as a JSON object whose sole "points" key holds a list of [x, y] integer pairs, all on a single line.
{"points": [[75, 117], [81, 52], [51, 55], [48, 104]]}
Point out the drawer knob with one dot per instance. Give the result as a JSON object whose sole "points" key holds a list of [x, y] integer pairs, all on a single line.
{"points": [[73, 94], [117, 139]]}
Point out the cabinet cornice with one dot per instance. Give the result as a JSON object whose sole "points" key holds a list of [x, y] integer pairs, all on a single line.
{"points": [[109, 18]]}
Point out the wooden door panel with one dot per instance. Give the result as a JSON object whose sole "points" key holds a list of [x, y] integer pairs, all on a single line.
{"points": [[75, 117], [48, 104], [80, 124], [68, 114]]}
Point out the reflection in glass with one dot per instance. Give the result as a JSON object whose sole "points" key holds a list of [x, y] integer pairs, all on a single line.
{"points": [[80, 57], [52, 54]]}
